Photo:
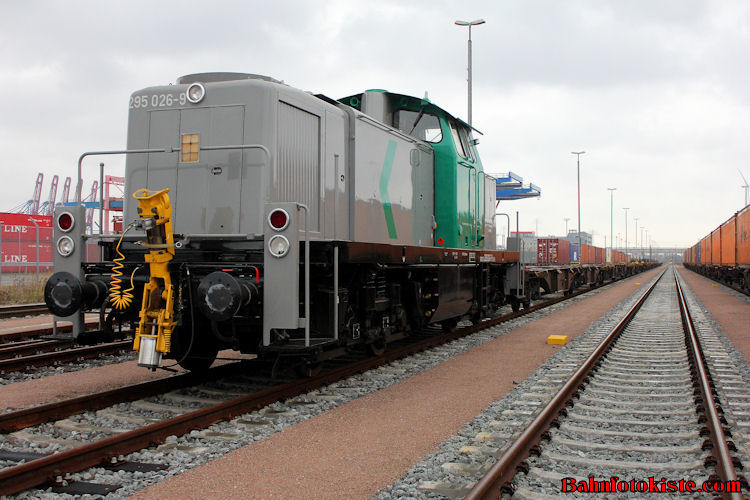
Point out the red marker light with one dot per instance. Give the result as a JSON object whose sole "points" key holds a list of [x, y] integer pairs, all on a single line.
{"points": [[65, 221], [278, 219]]}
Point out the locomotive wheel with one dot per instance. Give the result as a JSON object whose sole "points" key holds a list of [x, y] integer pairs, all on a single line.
{"points": [[307, 369], [201, 354], [515, 305], [449, 324], [377, 348]]}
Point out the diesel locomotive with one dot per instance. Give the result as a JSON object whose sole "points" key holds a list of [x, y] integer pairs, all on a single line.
{"points": [[273, 221]]}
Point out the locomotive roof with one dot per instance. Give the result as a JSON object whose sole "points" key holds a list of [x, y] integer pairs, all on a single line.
{"points": [[409, 100]]}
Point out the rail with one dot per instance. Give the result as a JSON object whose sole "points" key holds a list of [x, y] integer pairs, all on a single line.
{"points": [[724, 463], [23, 310], [489, 487]]}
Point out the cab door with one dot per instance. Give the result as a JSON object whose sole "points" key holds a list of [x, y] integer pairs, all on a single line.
{"points": [[470, 181]]}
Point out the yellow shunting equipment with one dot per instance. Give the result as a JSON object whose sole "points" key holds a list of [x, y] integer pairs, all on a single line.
{"points": [[156, 318], [557, 339]]}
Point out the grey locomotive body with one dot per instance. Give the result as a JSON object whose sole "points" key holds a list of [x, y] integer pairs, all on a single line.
{"points": [[301, 226]]}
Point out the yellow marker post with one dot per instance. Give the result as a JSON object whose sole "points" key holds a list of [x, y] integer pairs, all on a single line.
{"points": [[557, 339]]}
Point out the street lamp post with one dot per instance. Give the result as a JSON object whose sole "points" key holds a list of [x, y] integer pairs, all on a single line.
{"points": [[636, 232], [566, 219], [578, 173], [611, 217], [626, 229], [470, 24]]}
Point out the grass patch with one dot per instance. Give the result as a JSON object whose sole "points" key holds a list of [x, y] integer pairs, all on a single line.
{"points": [[24, 290]]}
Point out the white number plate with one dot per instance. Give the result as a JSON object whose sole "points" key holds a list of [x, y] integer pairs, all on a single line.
{"points": [[157, 100]]}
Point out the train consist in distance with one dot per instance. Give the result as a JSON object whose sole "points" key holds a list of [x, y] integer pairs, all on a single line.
{"points": [[293, 226], [724, 253]]}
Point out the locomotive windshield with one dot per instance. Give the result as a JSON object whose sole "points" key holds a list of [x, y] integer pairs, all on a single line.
{"points": [[423, 126]]}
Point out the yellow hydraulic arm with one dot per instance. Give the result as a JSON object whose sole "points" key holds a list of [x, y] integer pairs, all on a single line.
{"points": [[156, 319]]}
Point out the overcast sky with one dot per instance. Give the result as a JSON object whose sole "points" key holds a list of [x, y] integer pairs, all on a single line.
{"points": [[656, 92]]}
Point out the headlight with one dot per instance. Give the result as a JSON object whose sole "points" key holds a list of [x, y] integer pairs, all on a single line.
{"points": [[65, 246], [195, 93], [278, 245]]}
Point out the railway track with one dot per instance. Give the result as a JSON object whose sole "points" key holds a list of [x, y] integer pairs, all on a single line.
{"points": [[25, 356], [55, 468], [643, 404], [26, 347], [15, 311]]}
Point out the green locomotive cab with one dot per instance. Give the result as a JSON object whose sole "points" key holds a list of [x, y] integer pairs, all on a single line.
{"points": [[459, 182]]}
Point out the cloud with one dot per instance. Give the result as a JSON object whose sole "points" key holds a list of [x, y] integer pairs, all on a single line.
{"points": [[656, 93]]}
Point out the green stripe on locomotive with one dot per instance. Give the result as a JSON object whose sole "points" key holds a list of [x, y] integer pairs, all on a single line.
{"points": [[459, 175]]}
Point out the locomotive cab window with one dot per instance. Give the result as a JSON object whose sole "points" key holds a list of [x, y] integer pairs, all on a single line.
{"points": [[423, 126], [461, 140], [189, 148]]}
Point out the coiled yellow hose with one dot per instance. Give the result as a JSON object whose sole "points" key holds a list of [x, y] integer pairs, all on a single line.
{"points": [[120, 299]]}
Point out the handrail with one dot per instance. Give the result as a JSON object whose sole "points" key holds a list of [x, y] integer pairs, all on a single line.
{"points": [[307, 274], [158, 150]]}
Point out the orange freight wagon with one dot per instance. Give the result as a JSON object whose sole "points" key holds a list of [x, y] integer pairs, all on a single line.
{"points": [[715, 247], [706, 250], [743, 237], [728, 235], [598, 255]]}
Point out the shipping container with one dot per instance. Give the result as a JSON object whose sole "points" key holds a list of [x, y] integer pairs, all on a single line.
{"points": [[527, 246], [21, 227], [743, 237], [689, 257], [11, 219], [728, 235], [706, 250], [21, 235], [588, 254], [574, 252], [553, 251], [25, 254], [598, 255], [716, 247]]}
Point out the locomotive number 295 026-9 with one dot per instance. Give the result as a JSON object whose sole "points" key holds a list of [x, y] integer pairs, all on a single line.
{"points": [[157, 100]]}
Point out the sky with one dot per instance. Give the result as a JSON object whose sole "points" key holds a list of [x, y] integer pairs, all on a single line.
{"points": [[657, 93]]}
